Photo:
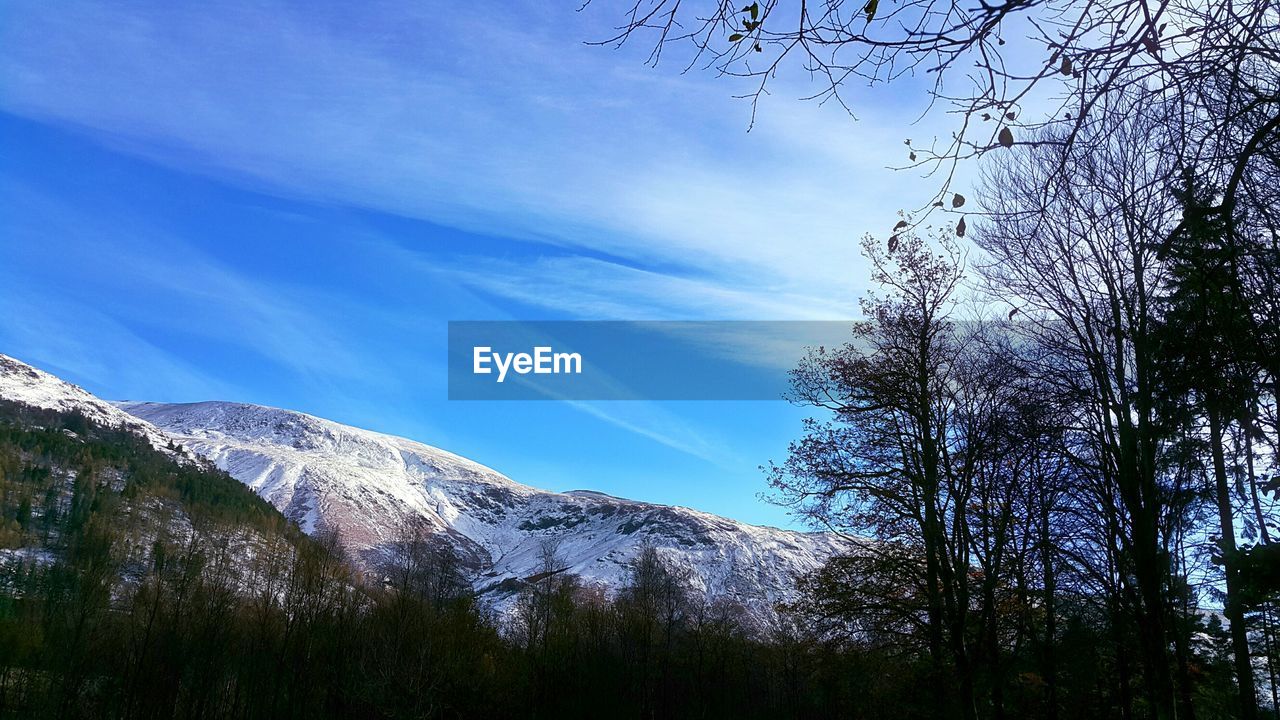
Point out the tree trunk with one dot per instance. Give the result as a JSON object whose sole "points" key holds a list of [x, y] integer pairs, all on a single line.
{"points": [[1050, 615], [1234, 609], [1269, 636], [1181, 643], [1122, 665]]}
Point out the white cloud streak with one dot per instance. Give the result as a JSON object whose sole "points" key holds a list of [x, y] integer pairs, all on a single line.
{"points": [[482, 119]]}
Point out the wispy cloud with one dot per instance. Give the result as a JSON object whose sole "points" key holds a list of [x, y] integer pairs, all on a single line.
{"points": [[650, 421], [481, 118], [596, 289]]}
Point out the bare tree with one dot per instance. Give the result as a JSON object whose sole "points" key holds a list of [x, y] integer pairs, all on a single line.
{"points": [[904, 458], [1005, 70], [1080, 264]]}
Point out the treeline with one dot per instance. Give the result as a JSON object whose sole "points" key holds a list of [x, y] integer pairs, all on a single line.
{"points": [[134, 586], [1063, 437]]}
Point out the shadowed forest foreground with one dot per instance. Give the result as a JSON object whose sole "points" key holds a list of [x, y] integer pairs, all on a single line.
{"points": [[153, 617]]}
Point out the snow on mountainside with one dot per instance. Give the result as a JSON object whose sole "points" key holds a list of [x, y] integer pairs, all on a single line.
{"points": [[152, 513], [366, 485], [22, 383]]}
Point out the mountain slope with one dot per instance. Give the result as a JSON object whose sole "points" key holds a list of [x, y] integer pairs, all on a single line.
{"points": [[21, 383], [369, 487], [80, 496], [366, 486]]}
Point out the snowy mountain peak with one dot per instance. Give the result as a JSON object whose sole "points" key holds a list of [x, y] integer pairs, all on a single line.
{"points": [[303, 433], [25, 384], [367, 486]]}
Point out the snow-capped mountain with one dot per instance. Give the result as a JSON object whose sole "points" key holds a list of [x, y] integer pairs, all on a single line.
{"points": [[368, 487]]}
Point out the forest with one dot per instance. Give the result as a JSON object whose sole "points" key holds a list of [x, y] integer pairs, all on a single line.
{"points": [[125, 612], [1062, 432], [1069, 422]]}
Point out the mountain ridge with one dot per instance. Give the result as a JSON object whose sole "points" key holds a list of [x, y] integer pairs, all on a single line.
{"points": [[367, 486], [370, 488], [32, 386]]}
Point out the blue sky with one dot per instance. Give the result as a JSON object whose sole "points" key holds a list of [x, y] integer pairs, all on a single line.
{"points": [[285, 203]]}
